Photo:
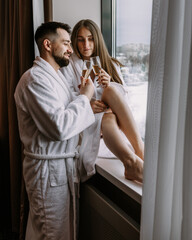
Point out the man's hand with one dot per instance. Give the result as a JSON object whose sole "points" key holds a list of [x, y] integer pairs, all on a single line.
{"points": [[87, 87]]}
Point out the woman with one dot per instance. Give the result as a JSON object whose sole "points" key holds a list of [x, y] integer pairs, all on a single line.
{"points": [[87, 41]]}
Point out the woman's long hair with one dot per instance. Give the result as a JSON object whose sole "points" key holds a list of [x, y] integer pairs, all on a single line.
{"points": [[100, 48]]}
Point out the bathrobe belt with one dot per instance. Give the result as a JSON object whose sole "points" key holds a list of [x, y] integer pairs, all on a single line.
{"points": [[72, 179], [74, 155], [37, 156]]}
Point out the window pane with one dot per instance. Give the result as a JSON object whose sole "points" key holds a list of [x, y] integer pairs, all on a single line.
{"points": [[133, 30]]}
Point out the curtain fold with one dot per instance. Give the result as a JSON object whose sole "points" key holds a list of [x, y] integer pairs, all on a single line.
{"points": [[187, 166], [48, 11], [4, 141], [167, 194], [17, 54]]}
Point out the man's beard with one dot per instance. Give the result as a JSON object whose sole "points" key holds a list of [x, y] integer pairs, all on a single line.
{"points": [[61, 61]]}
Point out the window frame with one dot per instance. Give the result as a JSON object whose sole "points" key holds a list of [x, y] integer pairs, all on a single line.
{"points": [[108, 24]]}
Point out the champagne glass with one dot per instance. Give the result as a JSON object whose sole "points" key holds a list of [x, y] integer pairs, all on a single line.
{"points": [[96, 66], [86, 69]]}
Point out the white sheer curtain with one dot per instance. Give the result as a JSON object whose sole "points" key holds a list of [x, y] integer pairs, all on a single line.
{"points": [[38, 18], [167, 187]]}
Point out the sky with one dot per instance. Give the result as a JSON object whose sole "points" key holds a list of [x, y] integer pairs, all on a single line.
{"points": [[133, 21]]}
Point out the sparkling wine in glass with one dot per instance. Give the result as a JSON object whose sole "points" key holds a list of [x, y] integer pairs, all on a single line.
{"points": [[96, 64], [87, 66]]}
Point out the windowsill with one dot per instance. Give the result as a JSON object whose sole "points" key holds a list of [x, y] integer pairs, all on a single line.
{"points": [[113, 171]]}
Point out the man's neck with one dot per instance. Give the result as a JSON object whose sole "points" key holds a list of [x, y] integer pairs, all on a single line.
{"points": [[51, 61]]}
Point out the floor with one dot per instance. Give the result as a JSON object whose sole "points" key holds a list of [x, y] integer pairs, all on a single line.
{"points": [[8, 236]]}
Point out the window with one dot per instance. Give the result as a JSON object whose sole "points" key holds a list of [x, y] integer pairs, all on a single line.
{"points": [[128, 40]]}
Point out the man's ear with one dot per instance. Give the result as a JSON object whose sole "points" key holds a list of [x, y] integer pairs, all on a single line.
{"points": [[47, 44]]}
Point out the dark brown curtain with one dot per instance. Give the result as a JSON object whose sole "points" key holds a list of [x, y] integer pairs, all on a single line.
{"points": [[16, 56], [48, 10]]}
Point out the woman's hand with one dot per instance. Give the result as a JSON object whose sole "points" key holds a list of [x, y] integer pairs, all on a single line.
{"points": [[98, 106], [104, 78]]}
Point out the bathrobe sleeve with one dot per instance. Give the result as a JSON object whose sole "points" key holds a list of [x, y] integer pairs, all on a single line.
{"points": [[57, 117]]}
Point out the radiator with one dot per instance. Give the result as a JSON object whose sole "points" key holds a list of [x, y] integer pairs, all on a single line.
{"points": [[102, 219]]}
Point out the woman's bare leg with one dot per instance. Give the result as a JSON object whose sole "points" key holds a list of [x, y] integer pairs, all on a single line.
{"points": [[125, 118], [115, 141]]}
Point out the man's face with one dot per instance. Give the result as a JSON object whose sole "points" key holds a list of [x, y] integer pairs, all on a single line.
{"points": [[61, 48]]}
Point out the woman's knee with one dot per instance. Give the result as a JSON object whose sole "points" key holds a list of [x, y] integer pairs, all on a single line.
{"points": [[109, 93], [109, 90]]}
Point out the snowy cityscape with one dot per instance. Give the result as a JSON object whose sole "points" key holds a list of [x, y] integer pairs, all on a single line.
{"points": [[133, 31], [135, 60]]}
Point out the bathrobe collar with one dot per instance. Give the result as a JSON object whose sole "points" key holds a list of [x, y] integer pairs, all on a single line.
{"points": [[57, 75]]}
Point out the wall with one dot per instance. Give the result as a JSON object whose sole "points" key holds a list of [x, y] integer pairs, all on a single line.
{"points": [[71, 11]]}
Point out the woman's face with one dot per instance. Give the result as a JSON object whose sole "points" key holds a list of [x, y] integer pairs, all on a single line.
{"points": [[85, 43]]}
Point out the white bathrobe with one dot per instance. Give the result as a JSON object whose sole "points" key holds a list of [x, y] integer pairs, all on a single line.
{"points": [[50, 120]]}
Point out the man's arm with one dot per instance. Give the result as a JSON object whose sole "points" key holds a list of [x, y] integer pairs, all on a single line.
{"points": [[56, 119]]}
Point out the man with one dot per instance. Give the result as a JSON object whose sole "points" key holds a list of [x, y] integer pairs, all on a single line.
{"points": [[50, 120]]}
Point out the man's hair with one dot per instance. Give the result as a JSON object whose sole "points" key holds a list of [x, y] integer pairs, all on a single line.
{"points": [[48, 29]]}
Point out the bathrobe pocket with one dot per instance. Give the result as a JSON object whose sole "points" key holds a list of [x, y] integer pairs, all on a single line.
{"points": [[57, 172]]}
